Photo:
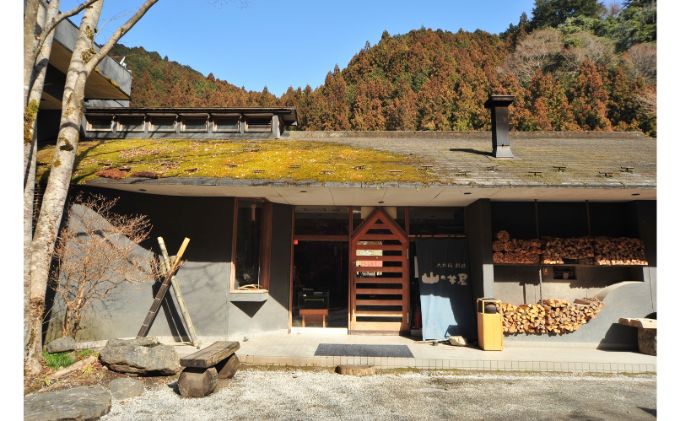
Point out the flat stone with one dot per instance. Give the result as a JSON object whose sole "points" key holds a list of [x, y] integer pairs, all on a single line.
{"points": [[355, 370], [125, 388], [197, 382], [143, 356], [457, 341], [145, 341], [79, 403], [64, 344]]}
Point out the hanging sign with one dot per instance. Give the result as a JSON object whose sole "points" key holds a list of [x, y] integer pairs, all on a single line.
{"points": [[445, 291]]}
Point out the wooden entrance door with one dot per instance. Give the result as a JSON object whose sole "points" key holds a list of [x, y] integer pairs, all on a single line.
{"points": [[379, 276]]}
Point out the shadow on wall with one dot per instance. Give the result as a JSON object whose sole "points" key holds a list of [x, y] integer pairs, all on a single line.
{"points": [[619, 337], [625, 299], [250, 308], [203, 277]]}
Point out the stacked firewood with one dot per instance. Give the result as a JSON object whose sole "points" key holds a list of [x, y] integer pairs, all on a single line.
{"points": [[507, 250], [549, 316], [579, 249], [604, 251], [619, 251]]}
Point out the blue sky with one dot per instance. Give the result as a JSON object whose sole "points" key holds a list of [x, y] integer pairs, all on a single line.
{"points": [[257, 43]]}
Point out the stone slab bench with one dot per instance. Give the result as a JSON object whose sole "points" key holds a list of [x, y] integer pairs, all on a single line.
{"points": [[646, 333], [203, 368]]}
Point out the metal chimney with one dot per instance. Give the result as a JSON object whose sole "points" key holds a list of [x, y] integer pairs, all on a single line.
{"points": [[499, 124]]}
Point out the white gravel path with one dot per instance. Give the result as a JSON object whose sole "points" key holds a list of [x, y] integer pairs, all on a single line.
{"points": [[260, 395]]}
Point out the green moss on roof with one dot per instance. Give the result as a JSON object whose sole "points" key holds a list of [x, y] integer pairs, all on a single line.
{"points": [[243, 159]]}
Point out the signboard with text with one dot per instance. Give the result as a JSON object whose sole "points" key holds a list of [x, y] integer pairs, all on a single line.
{"points": [[445, 292]]}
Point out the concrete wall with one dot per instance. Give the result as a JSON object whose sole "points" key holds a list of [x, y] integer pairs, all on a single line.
{"points": [[66, 34], [204, 277], [626, 291], [645, 212], [520, 285], [478, 231], [625, 299]]}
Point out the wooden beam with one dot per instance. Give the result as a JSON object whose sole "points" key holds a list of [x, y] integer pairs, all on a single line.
{"points": [[378, 313], [320, 237], [160, 294], [371, 280], [371, 302], [381, 237], [390, 247], [292, 270], [165, 265], [379, 291], [210, 356], [380, 258], [384, 269], [265, 245]]}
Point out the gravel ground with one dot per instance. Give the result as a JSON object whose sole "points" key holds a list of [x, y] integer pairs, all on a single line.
{"points": [[255, 394]]}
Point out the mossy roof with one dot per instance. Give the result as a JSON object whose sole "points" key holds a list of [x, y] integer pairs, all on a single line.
{"points": [[559, 159], [243, 160]]}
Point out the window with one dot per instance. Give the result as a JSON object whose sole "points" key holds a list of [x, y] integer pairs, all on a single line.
{"points": [[226, 124], [321, 220], [131, 123], [162, 124], [191, 123], [99, 123], [259, 124], [251, 245]]}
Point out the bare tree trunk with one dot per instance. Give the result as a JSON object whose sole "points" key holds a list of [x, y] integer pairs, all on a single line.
{"points": [[36, 34], [83, 62], [30, 30], [30, 149], [54, 198]]}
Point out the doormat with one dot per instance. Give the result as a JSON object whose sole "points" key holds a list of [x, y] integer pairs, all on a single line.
{"points": [[361, 350]]}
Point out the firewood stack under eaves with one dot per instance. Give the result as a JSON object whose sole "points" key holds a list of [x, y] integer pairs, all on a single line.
{"points": [[507, 250]]}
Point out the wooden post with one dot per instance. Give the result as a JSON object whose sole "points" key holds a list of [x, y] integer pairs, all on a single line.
{"points": [[174, 282], [158, 299]]}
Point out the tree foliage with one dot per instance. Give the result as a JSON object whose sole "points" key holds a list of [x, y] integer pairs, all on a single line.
{"points": [[437, 80], [554, 12]]}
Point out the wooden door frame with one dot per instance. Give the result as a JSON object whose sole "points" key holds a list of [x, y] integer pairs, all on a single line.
{"points": [[403, 237], [319, 238]]}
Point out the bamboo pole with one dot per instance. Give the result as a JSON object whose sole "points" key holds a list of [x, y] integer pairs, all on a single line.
{"points": [[174, 282]]}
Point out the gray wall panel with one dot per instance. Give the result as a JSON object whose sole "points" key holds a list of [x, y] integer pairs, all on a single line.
{"points": [[204, 276]]}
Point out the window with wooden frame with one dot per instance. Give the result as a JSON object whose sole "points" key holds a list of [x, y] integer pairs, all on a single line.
{"points": [[251, 245]]}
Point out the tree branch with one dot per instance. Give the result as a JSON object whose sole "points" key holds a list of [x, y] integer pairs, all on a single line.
{"points": [[104, 50], [57, 20]]}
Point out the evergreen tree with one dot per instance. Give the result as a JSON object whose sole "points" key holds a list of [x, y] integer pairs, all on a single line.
{"points": [[554, 12], [590, 98], [550, 104]]}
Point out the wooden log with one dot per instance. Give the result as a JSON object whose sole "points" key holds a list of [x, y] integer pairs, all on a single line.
{"points": [[197, 382], [228, 368], [549, 316]]}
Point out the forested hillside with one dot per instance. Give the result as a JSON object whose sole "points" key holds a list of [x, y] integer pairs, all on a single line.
{"points": [[575, 65]]}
